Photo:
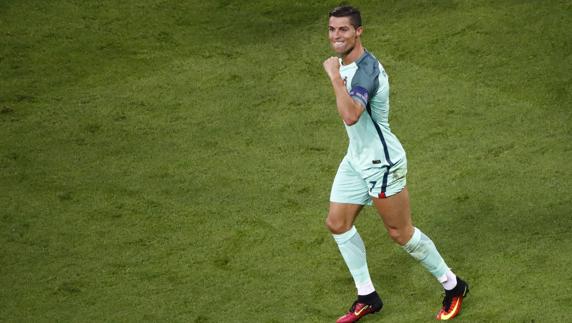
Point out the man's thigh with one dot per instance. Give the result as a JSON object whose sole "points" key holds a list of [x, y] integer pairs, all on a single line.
{"points": [[395, 212], [349, 187]]}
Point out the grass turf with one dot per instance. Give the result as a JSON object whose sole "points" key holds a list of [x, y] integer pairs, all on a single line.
{"points": [[169, 161]]}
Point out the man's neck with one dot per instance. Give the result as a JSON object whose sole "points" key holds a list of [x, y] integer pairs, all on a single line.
{"points": [[354, 54]]}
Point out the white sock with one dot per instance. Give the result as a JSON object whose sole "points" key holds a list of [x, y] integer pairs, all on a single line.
{"points": [[365, 288], [449, 280]]}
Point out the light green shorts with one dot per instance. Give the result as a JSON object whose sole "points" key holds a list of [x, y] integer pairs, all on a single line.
{"points": [[358, 187]]}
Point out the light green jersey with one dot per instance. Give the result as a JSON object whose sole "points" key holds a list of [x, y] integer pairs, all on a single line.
{"points": [[371, 142]]}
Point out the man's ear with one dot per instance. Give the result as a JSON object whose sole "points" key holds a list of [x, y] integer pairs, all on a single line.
{"points": [[359, 30]]}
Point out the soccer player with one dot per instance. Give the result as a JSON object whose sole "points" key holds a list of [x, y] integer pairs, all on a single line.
{"points": [[373, 170]]}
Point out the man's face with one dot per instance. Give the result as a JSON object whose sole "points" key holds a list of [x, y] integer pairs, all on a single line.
{"points": [[342, 34]]}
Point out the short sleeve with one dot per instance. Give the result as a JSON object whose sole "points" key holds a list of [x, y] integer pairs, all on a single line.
{"points": [[360, 94], [365, 82]]}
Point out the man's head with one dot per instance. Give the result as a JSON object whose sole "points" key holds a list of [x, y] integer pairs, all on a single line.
{"points": [[347, 11], [344, 29]]}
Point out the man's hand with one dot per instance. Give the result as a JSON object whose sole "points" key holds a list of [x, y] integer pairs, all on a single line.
{"points": [[332, 67]]}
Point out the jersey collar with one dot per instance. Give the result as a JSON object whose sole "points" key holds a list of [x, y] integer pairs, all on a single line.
{"points": [[356, 62]]}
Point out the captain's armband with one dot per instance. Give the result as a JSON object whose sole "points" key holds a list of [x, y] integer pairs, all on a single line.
{"points": [[360, 94]]}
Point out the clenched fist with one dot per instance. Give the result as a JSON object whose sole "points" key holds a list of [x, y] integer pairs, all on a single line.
{"points": [[332, 67]]}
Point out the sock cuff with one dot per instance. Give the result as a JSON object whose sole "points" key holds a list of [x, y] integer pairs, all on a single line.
{"points": [[365, 288], [414, 241], [443, 278], [346, 236]]}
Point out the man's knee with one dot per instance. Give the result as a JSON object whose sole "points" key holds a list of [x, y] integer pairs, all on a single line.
{"points": [[336, 225], [400, 235]]}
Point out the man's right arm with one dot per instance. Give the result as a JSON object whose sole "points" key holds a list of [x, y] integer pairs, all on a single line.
{"points": [[349, 109]]}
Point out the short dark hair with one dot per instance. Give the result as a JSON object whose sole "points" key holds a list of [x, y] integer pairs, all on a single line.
{"points": [[347, 11]]}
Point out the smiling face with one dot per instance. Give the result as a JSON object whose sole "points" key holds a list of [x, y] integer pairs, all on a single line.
{"points": [[344, 37]]}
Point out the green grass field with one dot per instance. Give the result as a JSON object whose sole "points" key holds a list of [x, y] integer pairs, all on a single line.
{"points": [[171, 160]]}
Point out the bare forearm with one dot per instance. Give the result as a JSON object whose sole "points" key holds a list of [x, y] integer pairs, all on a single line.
{"points": [[349, 110]]}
